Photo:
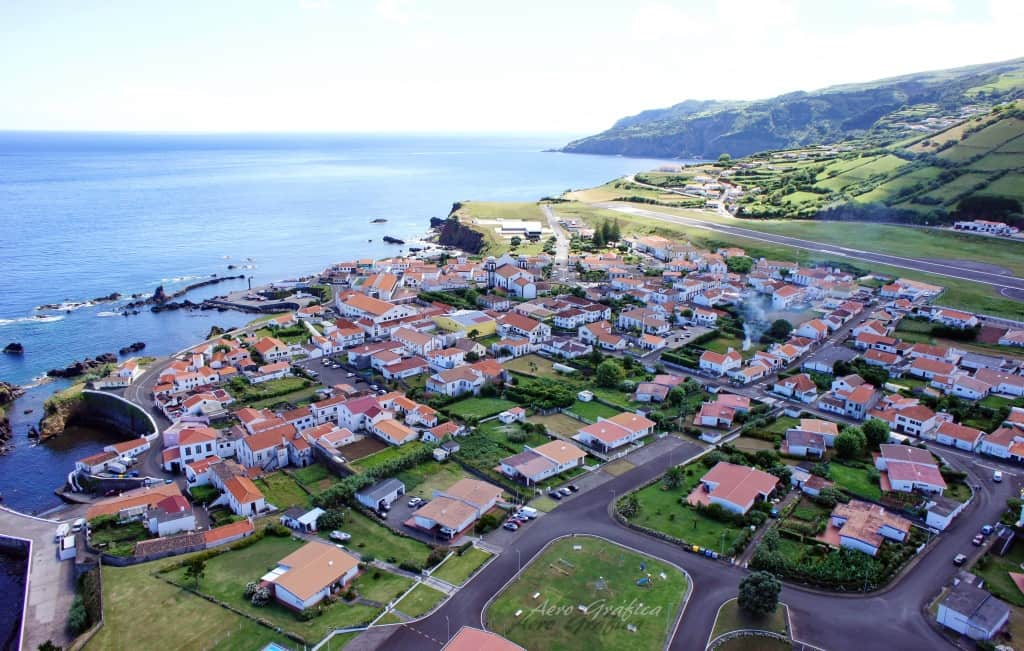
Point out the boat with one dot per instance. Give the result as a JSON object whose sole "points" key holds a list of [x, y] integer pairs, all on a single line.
{"points": [[379, 220], [393, 240]]}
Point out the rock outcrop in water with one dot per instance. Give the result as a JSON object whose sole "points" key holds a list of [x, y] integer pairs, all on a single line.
{"points": [[8, 394], [14, 348], [59, 410], [84, 366], [132, 348]]}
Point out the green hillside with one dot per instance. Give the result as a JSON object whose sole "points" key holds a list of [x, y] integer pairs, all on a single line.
{"points": [[879, 112], [976, 166]]}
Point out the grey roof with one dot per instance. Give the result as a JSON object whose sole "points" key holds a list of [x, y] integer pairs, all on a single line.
{"points": [[982, 609], [382, 489], [942, 505], [831, 354], [978, 360], [294, 512], [806, 439], [450, 445]]}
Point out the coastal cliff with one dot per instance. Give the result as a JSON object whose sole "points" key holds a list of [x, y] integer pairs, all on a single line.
{"points": [[60, 409], [8, 394], [452, 232]]}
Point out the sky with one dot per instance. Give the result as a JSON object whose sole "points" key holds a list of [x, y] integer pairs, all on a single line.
{"points": [[455, 65]]}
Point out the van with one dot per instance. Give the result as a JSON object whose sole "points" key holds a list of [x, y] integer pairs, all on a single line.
{"points": [[529, 512], [63, 530], [78, 525], [997, 476]]}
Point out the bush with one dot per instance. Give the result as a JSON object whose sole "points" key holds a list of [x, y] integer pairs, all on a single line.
{"points": [[410, 566], [487, 523], [437, 554], [78, 618], [278, 530]]}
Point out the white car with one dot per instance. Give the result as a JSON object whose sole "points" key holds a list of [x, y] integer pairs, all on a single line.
{"points": [[997, 476], [340, 536], [415, 501]]}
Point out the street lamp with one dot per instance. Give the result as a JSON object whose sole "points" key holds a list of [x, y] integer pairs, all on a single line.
{"points": [[448, 624]]}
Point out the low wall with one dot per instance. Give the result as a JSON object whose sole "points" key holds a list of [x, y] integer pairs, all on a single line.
{"points": [[111, 409]]}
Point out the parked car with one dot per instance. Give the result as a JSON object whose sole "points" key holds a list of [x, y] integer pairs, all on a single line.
{"points": [[511, 526], [555, 495], [565, 491], [133, 473], [574, 488], [986, 530], [977, 540], [78, 525], [997, 476], [528, 512], [62, 530], [340, 536], [110, 493], [415, 500], [959, 559], [382, 514]]}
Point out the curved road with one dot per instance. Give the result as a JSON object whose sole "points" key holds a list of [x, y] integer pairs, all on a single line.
{"points": [[1009, 286], [892, 618]]}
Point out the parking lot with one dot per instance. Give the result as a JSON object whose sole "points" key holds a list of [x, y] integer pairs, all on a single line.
{"points": [[682, 336], [329, 376]]}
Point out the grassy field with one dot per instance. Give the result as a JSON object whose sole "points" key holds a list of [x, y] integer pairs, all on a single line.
{"points": [[380, 586], [558, 423], [386, 455], [593, 410], [534, 365], [732, 618], [281, 490], [302, 396], [315, 477], [369, 537], [143, 612], [855, 480], [272, 390], [478, 407], [490, 210], [661, 510], [457, 569], [420, 601], [584, 570], [427, 477], [995, 570], [227, 574]]}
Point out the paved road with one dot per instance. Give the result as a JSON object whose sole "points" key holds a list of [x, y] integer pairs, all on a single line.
{"points": [[891, 619], [1008, 285], [561, 246]]}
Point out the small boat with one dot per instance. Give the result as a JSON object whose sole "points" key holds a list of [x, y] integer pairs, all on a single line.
{"points": [[393, 240], [379, 220]]}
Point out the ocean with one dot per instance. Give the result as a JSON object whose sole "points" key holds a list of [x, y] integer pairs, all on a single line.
{"points": [[85, 215]]}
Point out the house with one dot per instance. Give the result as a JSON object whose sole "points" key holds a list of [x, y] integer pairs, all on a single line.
{"points": [[645, 320], [464, 322], [393, 432], [733, 487], [132, 503], [864, 527], [446, 358], [828, 431], [474, 639], [906, 468], [534, 465], [815, 330], [926, 368], [266, 449], [715, 414], [959, 436], [801, 443], [953, 318], [513, 415], [446, 515], [480, 495], [806, 482], [456, 381], [307, 576], [171, 515], [381, 495], [1005, 443], [719, 363], [610, 433], [272, 349], [512, 347], [96, 463], [799, 387], [972, 611], [301, 520], [445, 450], [1001, 382], [273, 371], [517, 325], [651, 392], [941, 510], [244, 498]]}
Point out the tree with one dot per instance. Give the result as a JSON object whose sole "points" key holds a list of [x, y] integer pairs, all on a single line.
{"points": [[876, 432], [472, 357], [673, 477], [609, 374], [195, 569], [474, 333], [615, 232], [780, 329], [739, 264], [725, 158], [49, 646], [515, 241], [850, 443], [759, 593], [677, 396]]}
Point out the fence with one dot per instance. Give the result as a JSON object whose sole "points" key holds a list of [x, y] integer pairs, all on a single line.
{"points": [[745, 632]]}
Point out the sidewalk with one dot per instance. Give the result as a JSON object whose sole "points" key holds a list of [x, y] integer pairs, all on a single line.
{"points": [[748, 553]]}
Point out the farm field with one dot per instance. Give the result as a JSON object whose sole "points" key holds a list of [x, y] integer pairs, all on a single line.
{"points": [[534, 365], [423, 479], [583, 570]]}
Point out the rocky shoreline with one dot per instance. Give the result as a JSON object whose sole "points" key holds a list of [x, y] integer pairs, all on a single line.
{"points": [[161, 301], [8, 394]]}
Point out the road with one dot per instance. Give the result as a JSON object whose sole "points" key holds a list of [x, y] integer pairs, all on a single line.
{"points": [[561, 245], [1009, 286], [891, 618]]}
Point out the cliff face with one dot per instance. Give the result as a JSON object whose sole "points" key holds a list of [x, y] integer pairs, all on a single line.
{"points": [[454, 233], [60, 410], [8, 394]]}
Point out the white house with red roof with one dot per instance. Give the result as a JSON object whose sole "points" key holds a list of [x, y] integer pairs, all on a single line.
{"points": [[958, 436], [906, 468], [173, 514], [799, 387], [720, 363], [272, 349], [953, 318], [733, 487], [611, 433]]}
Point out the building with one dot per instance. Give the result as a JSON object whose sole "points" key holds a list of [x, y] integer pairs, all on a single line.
{"points": [[865, 527], [941, 510], [171, 515], [799, 387], [973, 612], [473, 639], [733, 487], [244, 498], [959, 436], [305, 577], [300, 519], [534, 465], [720, 363], [906, 468], [611, 433], [382, 494]]}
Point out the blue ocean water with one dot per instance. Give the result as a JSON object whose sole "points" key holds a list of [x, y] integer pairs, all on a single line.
{"points": [[84, 215]]}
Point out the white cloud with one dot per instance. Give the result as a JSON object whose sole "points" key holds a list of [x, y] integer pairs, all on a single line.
{"points": [[394, 11], [940, 7]]}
